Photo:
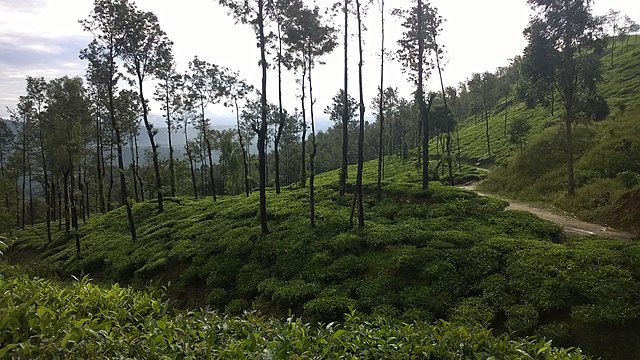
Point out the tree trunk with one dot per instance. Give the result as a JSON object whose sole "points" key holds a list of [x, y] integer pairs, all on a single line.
{"points": [[420, 94], [345, 116], [134, 174], [136, 164], [24, 171], [381, 106], [47, 200], [17, 206], [571, 187], [81, 189], [276, 143], [446, 109], [262, 134], [74, 214], [172, 170], [100, 165], [211, 178], [190, 156], [486, 117], [151, 134], [506, 113], [303, 176], [123, 182], [67, 218], [312, 156], [244, 152], [358, 193], [205, 135], [459, 156], [31, 210], [59, 207], [86, 189], [111, 181]]}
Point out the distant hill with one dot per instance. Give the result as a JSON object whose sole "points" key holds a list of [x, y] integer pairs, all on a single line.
{"points": [[607, 153]]}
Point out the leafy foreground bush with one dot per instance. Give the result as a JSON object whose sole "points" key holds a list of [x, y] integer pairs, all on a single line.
{"points": [[41, 319]]}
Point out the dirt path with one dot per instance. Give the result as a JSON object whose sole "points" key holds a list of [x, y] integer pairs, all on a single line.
{"points": [[572, 226]]}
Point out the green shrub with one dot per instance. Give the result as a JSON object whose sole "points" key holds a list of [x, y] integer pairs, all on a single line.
{"points": [[237, 306], [473, 310], [328, 308], [521, 319]]}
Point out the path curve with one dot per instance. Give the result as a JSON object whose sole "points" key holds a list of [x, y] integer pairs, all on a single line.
{"points": [[571, 225]]}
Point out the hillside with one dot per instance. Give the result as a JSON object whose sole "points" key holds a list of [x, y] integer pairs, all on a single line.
{"points": [[606, 152], [440, 254]]}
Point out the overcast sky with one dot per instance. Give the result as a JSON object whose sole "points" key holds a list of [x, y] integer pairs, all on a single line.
{"points": [[43, 38]]}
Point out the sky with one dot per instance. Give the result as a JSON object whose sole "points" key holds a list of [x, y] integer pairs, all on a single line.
{"points": [[43, 38]]}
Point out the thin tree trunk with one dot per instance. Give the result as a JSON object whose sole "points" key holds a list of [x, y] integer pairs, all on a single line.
{"points": [[381, 106], [24, 171], [100, 165], [137, 167], [420, 93], [486, 116], [123, 182], [358, 192], [303, 176], [81, 189], [571, 187], [31, 210], [111, 181], [506, 113], [5, 192], [190, 156], [59, 207], [345, 116], [67, 218], [449, 128], [86, 189], [212, 180], [205, 135], [459, 156], [46, 183], [262, 134], [172, 170], [276, 143], [312, 156], [134, 174], [152, 141], [74, 215], [17, 206], [244, 152]]}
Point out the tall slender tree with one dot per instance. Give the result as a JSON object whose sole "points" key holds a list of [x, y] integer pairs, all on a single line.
{"points": [[206, 83], [358, 196], [311, 39], [68, 120], [146, 52], [416, 44], [381, 108], [572, 43], [106, 24], [256, 14], [167, 93], [239, 89]]}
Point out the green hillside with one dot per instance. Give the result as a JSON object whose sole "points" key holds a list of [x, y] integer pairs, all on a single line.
{"points": [[440, 254], [607, 152]]}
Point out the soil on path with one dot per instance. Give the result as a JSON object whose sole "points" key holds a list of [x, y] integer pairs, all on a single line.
{"points": [[572, 226]]}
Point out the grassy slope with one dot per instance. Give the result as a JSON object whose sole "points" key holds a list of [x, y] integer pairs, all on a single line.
{"points": [[539, 172], [444, 253]]}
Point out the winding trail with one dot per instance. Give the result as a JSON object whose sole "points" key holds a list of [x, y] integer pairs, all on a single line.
{"points": [[571, 225]]}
